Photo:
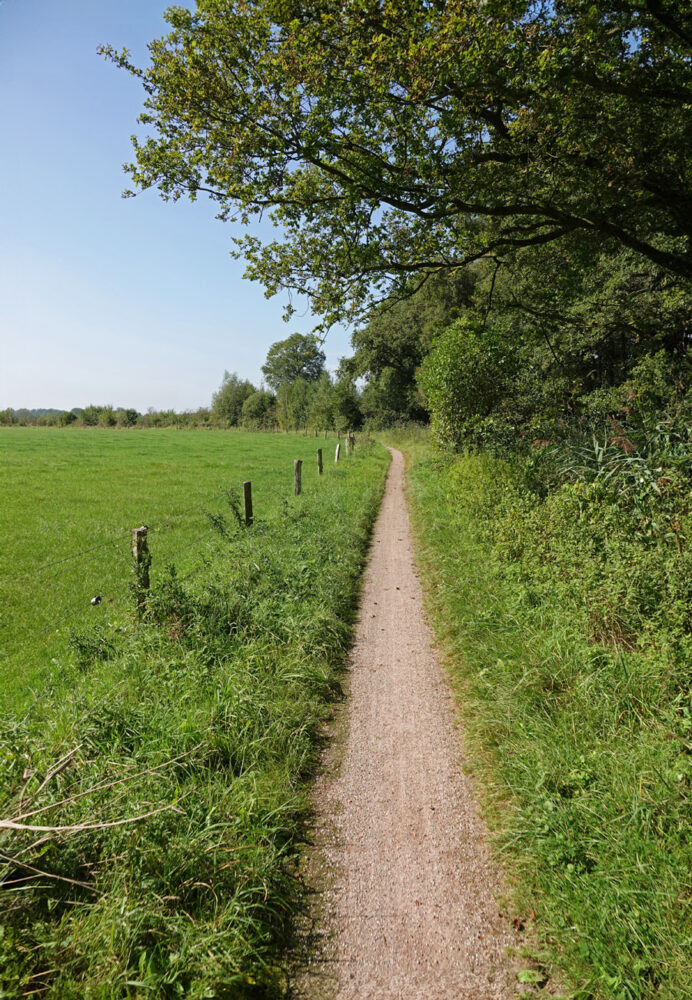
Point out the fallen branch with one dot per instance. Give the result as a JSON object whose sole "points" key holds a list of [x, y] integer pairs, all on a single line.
{"points": [[8, 824], [100, 787]]}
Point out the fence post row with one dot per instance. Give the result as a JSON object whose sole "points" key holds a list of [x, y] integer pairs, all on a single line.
{"points": [[142, 562], [140, 545], [247, 497]]}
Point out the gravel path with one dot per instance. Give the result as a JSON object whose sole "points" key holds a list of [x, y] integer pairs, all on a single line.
{"points": [[409, 903]]}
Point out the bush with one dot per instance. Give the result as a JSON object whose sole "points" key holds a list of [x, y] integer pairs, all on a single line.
{"points": [[464, 379]]}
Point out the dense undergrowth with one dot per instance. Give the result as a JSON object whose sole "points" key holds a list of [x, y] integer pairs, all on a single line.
{"points": [[560, 583], [162, 790]]}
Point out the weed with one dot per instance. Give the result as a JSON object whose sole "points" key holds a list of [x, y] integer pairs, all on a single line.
{"points": [[90, 644]]}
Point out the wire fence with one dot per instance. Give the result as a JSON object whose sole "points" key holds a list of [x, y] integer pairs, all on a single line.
{"points": [[103, 576]]}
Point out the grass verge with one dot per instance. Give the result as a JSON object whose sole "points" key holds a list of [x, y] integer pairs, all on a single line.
{"points": [[161, 793], [581, 747]]}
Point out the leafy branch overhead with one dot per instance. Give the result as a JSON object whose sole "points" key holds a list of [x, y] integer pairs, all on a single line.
{"points": [[391, 138]]}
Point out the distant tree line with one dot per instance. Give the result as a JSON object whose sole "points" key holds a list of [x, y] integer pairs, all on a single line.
{"points": [[104, 416], [300, 393]]}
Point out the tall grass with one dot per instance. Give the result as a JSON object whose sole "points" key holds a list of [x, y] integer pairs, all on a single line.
{"points": [[578, 716], [172, 761]]}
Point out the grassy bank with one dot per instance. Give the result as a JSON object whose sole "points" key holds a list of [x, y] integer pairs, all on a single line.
{"points": [[566, 638], [161, 789]]}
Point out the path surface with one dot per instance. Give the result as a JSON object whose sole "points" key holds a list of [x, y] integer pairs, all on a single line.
{"points": [[410, 905]]}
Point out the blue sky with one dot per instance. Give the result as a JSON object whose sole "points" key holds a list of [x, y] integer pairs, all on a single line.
{"points": [[132, 302]]}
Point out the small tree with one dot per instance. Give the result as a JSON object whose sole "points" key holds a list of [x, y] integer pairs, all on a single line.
{"points": [[128, 418], [107, 417], [469, 374], [299, 399], [90, 415], [259, 411], [227, 402], [322, 403], [347, 413]]}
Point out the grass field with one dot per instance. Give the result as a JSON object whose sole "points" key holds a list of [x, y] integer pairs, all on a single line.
{"points": [[158, 786], [70, 500]]}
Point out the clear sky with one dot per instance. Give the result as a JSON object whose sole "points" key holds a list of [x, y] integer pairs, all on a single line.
{"points": [[132, 302]]}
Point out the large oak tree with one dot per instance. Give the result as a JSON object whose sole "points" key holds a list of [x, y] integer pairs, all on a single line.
{"points": [[394, 138]]}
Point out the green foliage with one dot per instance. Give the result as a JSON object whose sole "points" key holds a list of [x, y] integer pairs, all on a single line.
{"points": [[390, 347], [128, 418], [90, 644], [297, 357], [107, 416], [346, 405], [563, 602], [259, 410], [198, 735], [467, 375], [388, 145], [90, 415], [227, 402], [297, 402]]}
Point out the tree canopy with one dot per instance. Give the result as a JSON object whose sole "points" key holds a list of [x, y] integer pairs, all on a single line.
{"points": [[397, 138], [296, 357]]}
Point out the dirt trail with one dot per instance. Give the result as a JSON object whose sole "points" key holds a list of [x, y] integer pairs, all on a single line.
{"points": [[410, 910]]}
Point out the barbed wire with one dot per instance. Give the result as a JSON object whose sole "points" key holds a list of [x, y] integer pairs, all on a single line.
{"points": [[73, 610], [184, 548], [106, 541], [121, 548], [39, 571]]}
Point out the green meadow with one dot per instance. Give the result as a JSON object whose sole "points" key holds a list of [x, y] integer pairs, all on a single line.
{"points": [[70, 501], [155, 769]]}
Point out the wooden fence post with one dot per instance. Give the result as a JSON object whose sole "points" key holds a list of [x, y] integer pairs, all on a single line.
{"points": [[247, 497], [352, 441], [319, 461], [325, 434], [297, 474], [337, 452], [347, 442], [142, 563]]}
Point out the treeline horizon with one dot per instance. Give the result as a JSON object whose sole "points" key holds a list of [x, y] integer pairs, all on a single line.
{"points": [[297, 392]]}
